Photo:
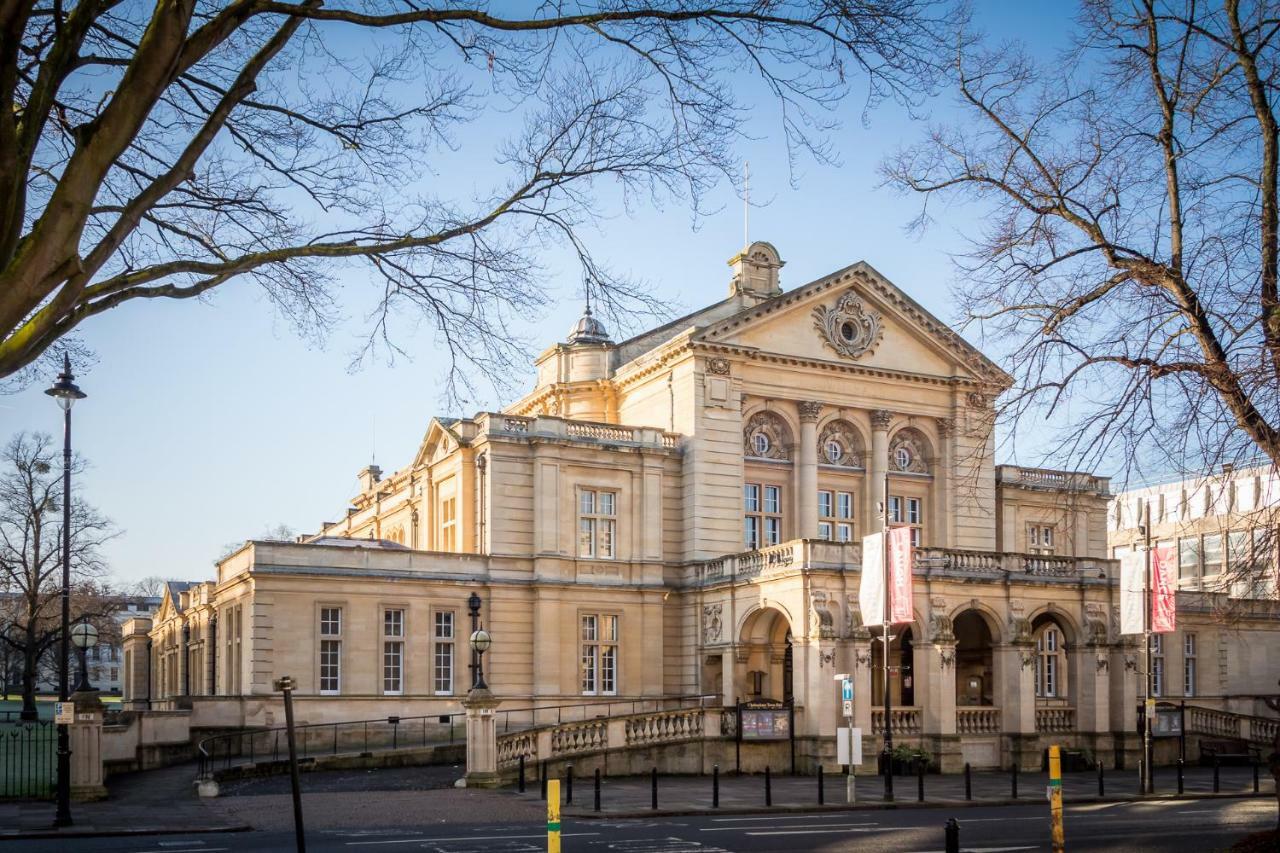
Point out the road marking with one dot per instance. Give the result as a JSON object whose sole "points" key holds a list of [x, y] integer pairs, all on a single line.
{"points": [[815, 831], [424, 840], [186, 849], [982, 849], [789, 826], [1000, 820], [770, 817]]}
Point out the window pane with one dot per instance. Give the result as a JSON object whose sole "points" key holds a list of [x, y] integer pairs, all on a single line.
{"points": [[586, 502], [751, 497], [1189, 557], [589, 628], [606, 503], [444, 624], [444, 665], [586, 537], [393, 623], [330, 665], [895, 508], [913, 510], [608, 669], [589, 668], [1212, 554], [330, 621], [845, 532], [753, 532], [824, 504], [392, 666], [824, 530], [771, 498], [606, 537], [609, 629], [844, 505], [1237, 551], [772, 530]]}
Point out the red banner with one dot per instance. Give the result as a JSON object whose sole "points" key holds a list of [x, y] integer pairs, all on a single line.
{"points": [[900, 575], [1164, 586]]}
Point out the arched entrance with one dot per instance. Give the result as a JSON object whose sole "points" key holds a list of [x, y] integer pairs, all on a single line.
{"points": [[974, 661], [902, 680], [764, 669]]}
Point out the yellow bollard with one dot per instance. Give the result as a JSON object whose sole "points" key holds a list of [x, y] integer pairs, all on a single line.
{"points": [[1055, 799], [553, 816]]}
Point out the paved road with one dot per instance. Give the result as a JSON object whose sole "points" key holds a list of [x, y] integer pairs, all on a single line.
{"points": [[1157, 825]]}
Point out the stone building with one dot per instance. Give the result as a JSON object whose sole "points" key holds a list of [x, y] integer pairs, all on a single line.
{"points": [[680, 513]]}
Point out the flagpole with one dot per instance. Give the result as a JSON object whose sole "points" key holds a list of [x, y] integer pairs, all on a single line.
{"points": [[1146, 636], [888, 609]]}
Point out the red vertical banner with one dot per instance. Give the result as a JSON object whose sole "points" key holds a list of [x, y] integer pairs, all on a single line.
{"points": [[1164, 586], [900, 609]]}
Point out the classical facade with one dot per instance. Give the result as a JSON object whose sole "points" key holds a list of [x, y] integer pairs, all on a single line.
{"points": [[681, 513]]}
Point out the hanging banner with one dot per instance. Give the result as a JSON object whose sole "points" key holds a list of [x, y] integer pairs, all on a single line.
{"points": [[1164, 589], [900, 575], [871, 586], [1132, 591]]}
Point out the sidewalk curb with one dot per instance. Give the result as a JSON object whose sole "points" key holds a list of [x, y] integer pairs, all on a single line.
{"points": [[706, 811], [120, 833]]}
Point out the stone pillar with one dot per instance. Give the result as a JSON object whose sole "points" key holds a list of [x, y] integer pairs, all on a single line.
{"points": [[1015, 677], [728, 679], [862, 673], [936, 686], [86, 748], [136, 665], [944, 533], [482, 739], [877, 467], [807, 472], [1126, 686]]}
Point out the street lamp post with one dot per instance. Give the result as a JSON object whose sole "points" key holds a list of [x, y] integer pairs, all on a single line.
{"points": [[85, 637], [480, 642], [66, 393]]}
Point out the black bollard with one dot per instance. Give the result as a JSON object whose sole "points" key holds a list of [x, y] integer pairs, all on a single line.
{"points": [[542, 778], [768, 787], [654, 797], [1255, 777], [953, 836], [1013, 779], [821, 794], [968, 783], [521, 782], [1216, 765], [597, 802], [1102, 791], [568, 783], [1180, 762], [919, 781], [715, 786]]}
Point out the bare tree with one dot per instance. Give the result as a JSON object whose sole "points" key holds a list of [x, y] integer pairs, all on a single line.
{"points": [[1128, 256], [162, 154], [31, 556]]}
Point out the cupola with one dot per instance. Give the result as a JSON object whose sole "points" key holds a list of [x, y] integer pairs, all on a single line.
{"points": [[755, 271], [588, 330]]}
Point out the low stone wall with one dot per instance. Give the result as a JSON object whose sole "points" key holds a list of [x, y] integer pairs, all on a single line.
{"points": [[454, 754]]}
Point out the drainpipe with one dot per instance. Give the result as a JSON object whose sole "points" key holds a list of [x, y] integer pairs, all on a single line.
{"points": [[149, 664], [186, 660], [213, 655]]}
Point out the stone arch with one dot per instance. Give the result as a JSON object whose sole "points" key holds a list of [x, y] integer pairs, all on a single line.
{"points": [[910, 452], [974, 658], [763, 667], [768, 434], [1058, 686], [844, 432], [1049, 612], [993, 619]]}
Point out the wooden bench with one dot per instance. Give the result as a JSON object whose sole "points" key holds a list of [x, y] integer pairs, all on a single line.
{"points": [[1228, 751]]}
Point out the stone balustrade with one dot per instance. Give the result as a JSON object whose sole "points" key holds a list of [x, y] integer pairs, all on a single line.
{"points": [[1047, 478], [665, 727], [573, 738], [978, 721], [1055, 720], [905, 720], [652, 728], [566, 428]]}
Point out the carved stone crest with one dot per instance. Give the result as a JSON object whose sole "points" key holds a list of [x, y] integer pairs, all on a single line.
{"points": [[766, 437], [711, 623], [718, 366], [823, 624], [1020, 629], [947, 657], [840, 445], [849, 328], [853, 626], [907, 453], [940, 628], [1095, 624]]}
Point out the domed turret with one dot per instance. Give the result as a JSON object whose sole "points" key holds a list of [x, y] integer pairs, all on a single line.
{"points": [[588, 330]]}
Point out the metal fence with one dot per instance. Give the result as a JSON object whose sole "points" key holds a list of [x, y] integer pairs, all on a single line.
{"points": [[28, 759]]}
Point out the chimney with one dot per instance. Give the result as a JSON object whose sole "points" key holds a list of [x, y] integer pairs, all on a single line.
{"points": [[368, 477]]}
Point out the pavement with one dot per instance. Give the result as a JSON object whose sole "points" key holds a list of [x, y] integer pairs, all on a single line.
{"points": [[423, 799]]}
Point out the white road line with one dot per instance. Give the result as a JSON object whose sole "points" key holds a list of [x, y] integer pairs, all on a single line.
{"points": [[422, 839], [789, 826], [769, 817], [982, 849], [999, 820], [185, 849], [813, 831]]}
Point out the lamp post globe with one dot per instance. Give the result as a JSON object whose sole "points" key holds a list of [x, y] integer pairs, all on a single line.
{"points": [[66, 393], [84, 637], [480, 642]]}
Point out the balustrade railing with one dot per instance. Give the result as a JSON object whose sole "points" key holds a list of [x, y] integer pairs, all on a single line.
{"points": [[905, 720], [579, 737], [977, 721], [1055, 720], [665, 727]]}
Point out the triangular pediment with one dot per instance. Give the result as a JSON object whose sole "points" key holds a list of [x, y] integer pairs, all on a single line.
{"points": [[858, 318], [440, 440]]}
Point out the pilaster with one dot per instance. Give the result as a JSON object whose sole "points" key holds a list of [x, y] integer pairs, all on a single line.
{"points": [[878, 466], [806, 474]]}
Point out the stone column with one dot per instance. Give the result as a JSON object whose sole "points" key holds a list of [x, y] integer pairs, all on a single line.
{"points": [[136, 664], [86, 748], [1126, 687], [944, 482], [862, 673], [1092, 689], [936, 694], [877, 467], [728, 677], [1015, 676], [807, 472], [482, 739]]}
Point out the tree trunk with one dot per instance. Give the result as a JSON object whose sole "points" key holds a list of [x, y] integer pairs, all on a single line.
{"points": [[30, 660]]}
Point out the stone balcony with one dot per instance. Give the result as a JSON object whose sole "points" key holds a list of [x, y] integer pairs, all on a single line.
{"points": [[1050, 480], [929, 562]]}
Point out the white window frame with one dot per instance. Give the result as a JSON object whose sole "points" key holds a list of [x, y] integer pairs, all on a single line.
{"points": [[835, 515], [597, 524], [444, 651], [908, 511], [1189, 667], [1157, 664], [599, 635], [762, 511], [393, 640], [1050, 658], [330, 629]]}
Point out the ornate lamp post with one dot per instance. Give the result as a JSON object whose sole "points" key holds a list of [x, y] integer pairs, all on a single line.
{"points": [[480, 642], [85, 637], [66, 393]]}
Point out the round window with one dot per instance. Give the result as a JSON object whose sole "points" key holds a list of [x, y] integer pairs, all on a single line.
{"points": [[835, 451], [847, 331], [760, 442], [903, 457]]}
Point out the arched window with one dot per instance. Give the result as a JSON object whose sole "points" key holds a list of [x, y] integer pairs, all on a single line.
{"points": [[833, 451], [1050, 662], [909, 452], [760, 443], [840, 444]]}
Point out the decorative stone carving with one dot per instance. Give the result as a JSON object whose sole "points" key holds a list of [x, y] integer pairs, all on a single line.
{"points": [[853, 626], [1102, 664], [976, 400], [946, 426], [1020, 629], [947, 657], [718, 366], [1028, 659], [1095, 624], [907, 452], [824, 625], [881, 418], [842, 435], [848, 327], [711, 623], [809, 410], [827, 658], [940, 628], [863, 656], [766, 437]]}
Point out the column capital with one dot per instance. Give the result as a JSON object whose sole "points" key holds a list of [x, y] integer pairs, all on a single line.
{"points": [[809, 411], [880, 419]]}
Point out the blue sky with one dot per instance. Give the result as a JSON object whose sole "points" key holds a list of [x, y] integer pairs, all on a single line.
{"points": [[209, 422]]}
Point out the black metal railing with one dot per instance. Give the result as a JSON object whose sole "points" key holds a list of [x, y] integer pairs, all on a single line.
{"points": [[252, 746], [28, 759], [535, 716]]}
